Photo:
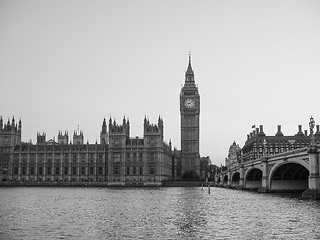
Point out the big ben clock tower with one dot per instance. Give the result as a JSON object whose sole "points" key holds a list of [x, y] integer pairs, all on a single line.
{"points": [[190, 111]]}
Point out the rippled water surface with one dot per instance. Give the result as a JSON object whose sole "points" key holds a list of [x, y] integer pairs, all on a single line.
{"points": [[154, 213]]}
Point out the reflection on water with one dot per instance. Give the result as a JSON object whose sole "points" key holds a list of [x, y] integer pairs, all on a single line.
{"points": [[154, 213]]}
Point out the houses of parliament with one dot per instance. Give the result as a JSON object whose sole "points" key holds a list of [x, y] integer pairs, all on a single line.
{"points": [[117, 159]]}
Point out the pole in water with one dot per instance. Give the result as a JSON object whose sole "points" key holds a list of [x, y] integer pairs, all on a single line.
{"points": [[201, 186], [208, 188]]}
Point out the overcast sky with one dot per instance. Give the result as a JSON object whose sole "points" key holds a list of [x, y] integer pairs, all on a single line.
{"points": [[70, 63]]}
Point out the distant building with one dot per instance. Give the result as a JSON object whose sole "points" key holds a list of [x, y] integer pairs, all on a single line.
{"points": [[258, 143], [234, 156], [205, 168]]}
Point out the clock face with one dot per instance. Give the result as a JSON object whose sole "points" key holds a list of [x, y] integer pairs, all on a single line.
{"points": [[189, 103]]}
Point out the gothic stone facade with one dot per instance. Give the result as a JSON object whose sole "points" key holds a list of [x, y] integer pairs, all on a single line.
{"points": [[116, 160]]}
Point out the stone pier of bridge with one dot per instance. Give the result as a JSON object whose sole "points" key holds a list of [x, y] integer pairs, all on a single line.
{"points": [[313, 190]]}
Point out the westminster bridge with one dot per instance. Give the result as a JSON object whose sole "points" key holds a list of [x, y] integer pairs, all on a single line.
{"points": [[296, 170]]}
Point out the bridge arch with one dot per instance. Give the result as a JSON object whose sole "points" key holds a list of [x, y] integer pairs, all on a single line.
{"points": [[235, 178], [253, 178], [219, 180], [290, 175], [225, 180]]}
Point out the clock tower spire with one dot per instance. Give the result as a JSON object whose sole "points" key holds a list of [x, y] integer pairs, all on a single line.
{"points": [[189, 72], [190, 113]]}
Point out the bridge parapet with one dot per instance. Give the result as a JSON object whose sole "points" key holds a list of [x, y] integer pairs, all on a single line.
{"points": [[291, 154]]}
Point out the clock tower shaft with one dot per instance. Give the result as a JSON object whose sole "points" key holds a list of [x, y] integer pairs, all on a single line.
{"points": [[190, 114]]}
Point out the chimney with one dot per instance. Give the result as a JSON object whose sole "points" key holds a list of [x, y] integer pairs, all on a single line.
{"points": [[279, 133], [306, 132], [300, 128], [279, 128], [317, 126], [261, 133]]}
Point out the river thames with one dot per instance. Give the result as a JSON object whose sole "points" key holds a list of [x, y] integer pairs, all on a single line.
{"points": [[154, 213]]}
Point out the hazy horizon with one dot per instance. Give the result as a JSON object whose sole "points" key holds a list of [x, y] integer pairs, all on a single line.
{"points": [[70, 63]]}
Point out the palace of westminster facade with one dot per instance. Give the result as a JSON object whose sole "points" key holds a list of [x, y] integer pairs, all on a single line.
{"points": [[117, 159]]}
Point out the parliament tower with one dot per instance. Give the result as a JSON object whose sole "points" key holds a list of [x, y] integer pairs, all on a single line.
{"points": [[190, 111]]}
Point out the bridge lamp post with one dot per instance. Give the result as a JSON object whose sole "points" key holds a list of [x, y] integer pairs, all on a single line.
{"points": [[264, 153], [311, 126], [264, 160], [212, 176]]}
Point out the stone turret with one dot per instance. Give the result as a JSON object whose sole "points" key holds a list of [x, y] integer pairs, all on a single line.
{"points": [[104, 138], [153, 133], [10, 133], [41, 138], [63, 138], [118, 134], [78, 137]]}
